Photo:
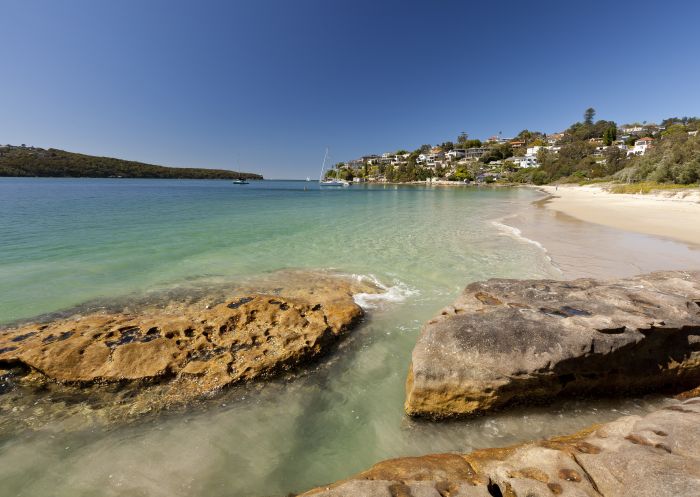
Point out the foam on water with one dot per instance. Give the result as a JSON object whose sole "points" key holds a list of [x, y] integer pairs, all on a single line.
{"points": [[513, 232], [395, 293]]}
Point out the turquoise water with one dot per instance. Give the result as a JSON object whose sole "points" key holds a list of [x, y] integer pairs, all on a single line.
{"points": [[67, 241]]}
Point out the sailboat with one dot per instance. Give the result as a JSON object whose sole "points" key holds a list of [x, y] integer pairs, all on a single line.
{"points": [[330, 182], [241, 180]]}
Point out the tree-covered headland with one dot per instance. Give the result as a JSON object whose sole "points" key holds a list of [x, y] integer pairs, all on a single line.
{"points": [[32, 161]]}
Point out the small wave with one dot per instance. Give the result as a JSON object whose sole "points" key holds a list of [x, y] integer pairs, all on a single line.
{"points": [[516, 233], [398, 292]]}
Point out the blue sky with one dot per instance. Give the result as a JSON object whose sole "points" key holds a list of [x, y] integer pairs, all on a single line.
{"points": [[265, 85]]}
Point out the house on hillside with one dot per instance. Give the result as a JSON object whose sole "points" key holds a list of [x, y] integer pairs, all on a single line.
{"points": [[456, 153], [356, 164], [554, 138], [475, 152], [641, 146], [431, 160], [524, 161], [631, 129], [497, 139]]}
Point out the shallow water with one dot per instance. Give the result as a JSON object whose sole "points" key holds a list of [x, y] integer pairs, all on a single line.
{"points": [[69, 241]]}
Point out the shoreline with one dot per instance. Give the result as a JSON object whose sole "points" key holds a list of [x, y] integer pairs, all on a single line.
{"points": [[662, 215], [586, 247]]}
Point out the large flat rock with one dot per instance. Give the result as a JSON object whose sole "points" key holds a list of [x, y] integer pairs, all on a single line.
{"points": [[511, 341], [657, 455], [170, 354]]}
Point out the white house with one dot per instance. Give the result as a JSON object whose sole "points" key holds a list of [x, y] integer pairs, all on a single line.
{"points": [[641, 146], [525, 161]]}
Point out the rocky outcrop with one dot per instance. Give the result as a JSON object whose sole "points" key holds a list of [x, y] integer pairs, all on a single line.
{"points": [[187, 349], [510, 341], [657, 455]]}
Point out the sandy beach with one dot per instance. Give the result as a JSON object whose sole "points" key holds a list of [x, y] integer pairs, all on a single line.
{"points": [[670, 215]]}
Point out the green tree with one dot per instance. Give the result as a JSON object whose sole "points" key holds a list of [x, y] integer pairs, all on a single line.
{"points": [[588, 116], [462, 173], [614, 160], [610, 135]]}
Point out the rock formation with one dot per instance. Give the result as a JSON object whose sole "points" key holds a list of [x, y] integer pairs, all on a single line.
{"points": [[510, 341], [657, 455], [186, 349]]}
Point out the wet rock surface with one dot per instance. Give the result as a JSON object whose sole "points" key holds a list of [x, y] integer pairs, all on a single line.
{"points": [[174, 353], [505, 342], [655, 455]]}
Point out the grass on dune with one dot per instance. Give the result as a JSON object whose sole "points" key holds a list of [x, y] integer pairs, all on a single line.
{"points": [[647, 187]]}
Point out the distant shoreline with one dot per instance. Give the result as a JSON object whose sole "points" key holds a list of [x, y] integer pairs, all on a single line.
{"points": [[23, 161]]}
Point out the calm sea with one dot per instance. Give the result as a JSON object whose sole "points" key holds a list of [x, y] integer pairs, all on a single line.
{"points": [[64, 242]]}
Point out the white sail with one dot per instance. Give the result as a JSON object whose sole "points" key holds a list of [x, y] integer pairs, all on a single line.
{"points": [[330, 182]]}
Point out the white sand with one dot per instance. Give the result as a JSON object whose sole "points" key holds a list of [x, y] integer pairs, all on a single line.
{"points": [[671, 215]]}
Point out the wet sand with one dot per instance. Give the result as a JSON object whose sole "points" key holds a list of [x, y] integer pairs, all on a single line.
{"points": [[672, 214], [581, 248]]}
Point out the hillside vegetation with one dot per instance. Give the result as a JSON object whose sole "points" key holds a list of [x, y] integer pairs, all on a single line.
{"points": [[31, 161], [587, 151]]}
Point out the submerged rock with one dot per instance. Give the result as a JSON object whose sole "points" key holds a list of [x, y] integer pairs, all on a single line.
{"points": [[182, 350], [510, 341], [657, 455]]}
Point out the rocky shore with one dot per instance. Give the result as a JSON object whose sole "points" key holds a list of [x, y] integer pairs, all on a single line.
{"points": [[505, 342], [508, 341], [656, 455], [167, 355]]}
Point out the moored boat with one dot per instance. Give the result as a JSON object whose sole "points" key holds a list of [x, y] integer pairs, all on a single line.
{"points": [[331, 182]]}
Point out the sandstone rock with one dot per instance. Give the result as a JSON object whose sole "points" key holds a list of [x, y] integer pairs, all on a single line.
{"points": [[508, 341], [187, 349], [656, 455]]}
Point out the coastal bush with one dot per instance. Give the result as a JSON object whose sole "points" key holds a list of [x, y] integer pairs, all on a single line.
{"points": [[674, 159]]}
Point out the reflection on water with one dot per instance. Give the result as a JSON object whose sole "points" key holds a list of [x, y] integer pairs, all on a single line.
{"points": [[331, 421]]}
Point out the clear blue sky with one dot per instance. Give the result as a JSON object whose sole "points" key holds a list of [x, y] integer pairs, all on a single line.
{"points": [[267, 84]]}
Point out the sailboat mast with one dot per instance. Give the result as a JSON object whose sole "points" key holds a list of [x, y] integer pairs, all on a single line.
{"points": [[323, 166]]}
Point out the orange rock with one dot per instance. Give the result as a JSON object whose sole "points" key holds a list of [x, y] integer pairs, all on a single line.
{"points": [[194, 348]]}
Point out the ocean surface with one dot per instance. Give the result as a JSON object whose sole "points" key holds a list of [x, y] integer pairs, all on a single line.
{"points": [[68, 242]]}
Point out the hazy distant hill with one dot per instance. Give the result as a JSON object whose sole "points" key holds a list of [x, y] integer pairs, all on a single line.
{"points": [[31, 161]]}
